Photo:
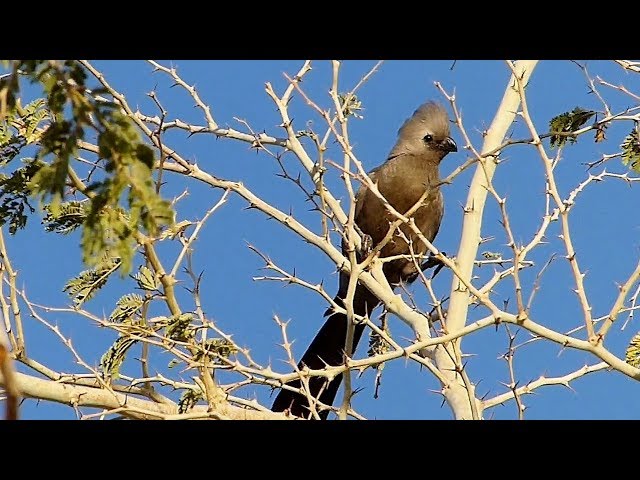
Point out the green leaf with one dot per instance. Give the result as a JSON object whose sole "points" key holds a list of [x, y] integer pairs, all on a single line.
{"points": [[175, 230], [126, 307], [35, 113], [145, 155], [146, 279], [564, 124], [113, 358], [189, 399], [107, 229], [353, 107], [19, 128], [72, 112], [10, 147], [14, 195], [215, 349], [632, 355], [50, 180], [87, 283], [130, 164], [35, 106], [179, 327], [68, 217], [631, 150]]}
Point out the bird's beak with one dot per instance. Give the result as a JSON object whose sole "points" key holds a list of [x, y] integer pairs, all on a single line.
{"points": [[448, 145]]}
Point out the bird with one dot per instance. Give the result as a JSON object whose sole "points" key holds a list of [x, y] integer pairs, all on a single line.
{"points": [[411, 168]]}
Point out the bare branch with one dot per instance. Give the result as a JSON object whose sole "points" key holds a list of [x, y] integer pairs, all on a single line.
{"points": [[563, 208], [126, 405], [544, 381], [471, 235]]}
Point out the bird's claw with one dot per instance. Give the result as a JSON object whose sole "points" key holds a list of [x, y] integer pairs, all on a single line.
{"points": [[366, 245]]}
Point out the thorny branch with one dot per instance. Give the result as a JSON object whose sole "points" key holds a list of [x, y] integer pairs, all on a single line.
{"points": [[439, 351]]}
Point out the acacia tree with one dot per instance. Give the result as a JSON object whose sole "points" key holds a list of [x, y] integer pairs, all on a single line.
{"points": [[105, 168]]}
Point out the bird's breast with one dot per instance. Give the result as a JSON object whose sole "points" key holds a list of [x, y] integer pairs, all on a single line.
{"points": [[403, 181]]}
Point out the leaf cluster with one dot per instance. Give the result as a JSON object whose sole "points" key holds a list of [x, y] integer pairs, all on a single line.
{"points": [[189, 399], [351, 105], [147, 280], [87, 283], [14, 195], [113, 358], [632, 355], [179, 327], [631, 150], [215, 349], [68, 218], [127, 307], [19, 127], [562, 126], [75, 112]]}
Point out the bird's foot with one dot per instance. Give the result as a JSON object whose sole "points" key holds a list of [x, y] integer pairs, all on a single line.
{"points": [[366, 245]]}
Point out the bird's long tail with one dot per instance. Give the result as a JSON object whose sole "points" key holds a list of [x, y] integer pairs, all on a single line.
{"points": [[327, 348]]}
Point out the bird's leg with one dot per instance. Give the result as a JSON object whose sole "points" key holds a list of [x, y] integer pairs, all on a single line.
{"points": [[431, 262], [366, 244], [434, 315]]}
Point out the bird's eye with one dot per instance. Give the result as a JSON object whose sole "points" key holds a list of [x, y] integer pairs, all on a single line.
{"points": [[427, 138]]}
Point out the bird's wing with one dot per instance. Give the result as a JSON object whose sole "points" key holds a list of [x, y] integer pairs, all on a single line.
{"points": [[373, 175]]}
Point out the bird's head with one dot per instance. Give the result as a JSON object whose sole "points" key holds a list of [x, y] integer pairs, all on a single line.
{"points": [[426, 133]]}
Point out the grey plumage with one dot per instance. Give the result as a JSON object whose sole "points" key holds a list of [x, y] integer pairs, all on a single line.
{"points": [[410, 169], [430, 117]]}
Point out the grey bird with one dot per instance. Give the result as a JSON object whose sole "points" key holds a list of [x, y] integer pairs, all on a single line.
{"points": [[410, 169]]}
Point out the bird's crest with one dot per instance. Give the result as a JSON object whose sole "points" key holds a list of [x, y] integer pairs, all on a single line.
{"points": [[429, 116]]}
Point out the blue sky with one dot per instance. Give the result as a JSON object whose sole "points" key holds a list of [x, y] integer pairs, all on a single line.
{"points": [[604, 228]]}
